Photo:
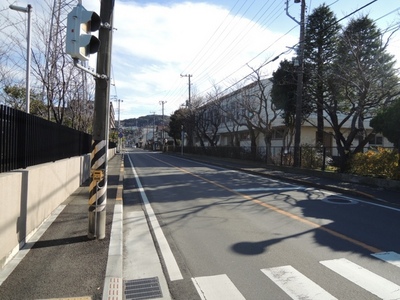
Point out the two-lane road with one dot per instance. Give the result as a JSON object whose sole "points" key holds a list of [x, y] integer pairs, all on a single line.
{"points": [[233, 235]]}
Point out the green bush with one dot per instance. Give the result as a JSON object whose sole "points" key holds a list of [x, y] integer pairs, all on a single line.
{"points": [[311, 157], [380, 162]]}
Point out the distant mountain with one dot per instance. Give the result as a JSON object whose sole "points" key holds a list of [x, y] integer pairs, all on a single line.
{"points": [[145, 121]]}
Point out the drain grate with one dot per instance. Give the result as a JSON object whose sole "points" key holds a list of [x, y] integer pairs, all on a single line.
{"points": [[140, 289]]}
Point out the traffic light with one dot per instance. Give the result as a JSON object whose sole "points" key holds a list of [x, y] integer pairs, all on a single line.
{"points": [[79, 42]]}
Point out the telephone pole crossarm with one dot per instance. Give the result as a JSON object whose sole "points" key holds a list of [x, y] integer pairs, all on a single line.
{"points": [[189, 100]]}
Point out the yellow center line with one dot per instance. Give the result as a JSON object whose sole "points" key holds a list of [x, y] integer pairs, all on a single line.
{"points": [[283, 212]]}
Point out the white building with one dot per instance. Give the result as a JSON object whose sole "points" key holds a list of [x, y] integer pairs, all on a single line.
{"points": [[253, 102]]}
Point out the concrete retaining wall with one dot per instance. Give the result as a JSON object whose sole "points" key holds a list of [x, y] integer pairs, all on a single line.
{"points": [[28, 196]]}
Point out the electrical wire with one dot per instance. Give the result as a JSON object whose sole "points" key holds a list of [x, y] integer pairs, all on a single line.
{"points": [[232, 46], [216, 63], [284, 52], [221, 33], [201, 50]]}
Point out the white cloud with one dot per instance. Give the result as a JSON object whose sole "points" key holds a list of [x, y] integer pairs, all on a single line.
{"points": [[154, 44]]}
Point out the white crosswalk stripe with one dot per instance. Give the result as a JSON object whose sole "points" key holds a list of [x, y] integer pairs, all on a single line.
{"points": [[298, 286], [216, 288], [364, 278]]}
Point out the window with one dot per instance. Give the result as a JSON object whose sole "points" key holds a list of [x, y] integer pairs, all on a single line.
{"points": [[278, 133], [376, 140], [244, 136]]}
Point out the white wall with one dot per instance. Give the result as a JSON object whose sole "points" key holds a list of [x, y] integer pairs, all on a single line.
{"points": [[28, 196]]}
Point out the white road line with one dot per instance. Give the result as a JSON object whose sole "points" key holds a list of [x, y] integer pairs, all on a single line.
{"points": [[296, 285], [140, 255], [364, 278], [216, 288], [169, 259], [270, 189], [390, 257], [113, 284]]}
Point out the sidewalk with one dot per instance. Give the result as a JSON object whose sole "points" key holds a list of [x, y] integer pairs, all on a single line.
{"points": [[59, 261]]}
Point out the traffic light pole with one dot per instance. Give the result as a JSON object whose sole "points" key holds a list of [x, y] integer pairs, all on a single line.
{"points": [[98, 157]]}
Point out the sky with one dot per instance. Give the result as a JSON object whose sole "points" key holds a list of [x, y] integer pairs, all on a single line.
{"points": [[216, 42]]}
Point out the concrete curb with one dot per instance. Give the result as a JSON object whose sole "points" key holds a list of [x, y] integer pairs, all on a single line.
{"points": [[113, 282]]}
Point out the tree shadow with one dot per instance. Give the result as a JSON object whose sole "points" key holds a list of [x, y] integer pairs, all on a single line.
{"points": [[341, 225]]}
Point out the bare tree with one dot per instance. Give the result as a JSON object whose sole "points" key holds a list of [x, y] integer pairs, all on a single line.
{"points": [[259, 111], [54, 69], [230, 115], [12, 56], [208, 120], [54, 76]]}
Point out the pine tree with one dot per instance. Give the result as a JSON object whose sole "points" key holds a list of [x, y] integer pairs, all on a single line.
{"points": [[363, 81], [321, 40]]}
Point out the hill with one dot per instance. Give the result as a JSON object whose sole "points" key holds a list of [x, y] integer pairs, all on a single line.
{"points": [[145, 121]]}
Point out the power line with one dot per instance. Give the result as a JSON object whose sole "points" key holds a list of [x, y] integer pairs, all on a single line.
{"points": [[209, 40], [239, 37], [284, 52], [217, 62], [276, 57], [233, 46]]}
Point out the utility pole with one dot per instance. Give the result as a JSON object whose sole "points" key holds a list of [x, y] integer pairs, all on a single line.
{"points": [[300, 71], [162, 133], [189, 100], [182, 139], [101, 121], [119, 126], [154, 124]]}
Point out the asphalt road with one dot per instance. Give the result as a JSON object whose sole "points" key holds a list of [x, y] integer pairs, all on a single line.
{"points": [[239, 236]]}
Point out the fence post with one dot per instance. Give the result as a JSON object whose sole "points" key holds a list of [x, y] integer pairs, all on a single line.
{"points": [[300, 157]]}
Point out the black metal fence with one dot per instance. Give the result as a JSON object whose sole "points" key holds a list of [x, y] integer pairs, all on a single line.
{"points": [[27, 140]]}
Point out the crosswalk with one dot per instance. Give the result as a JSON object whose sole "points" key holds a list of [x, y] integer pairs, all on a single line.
{"points": [[298, 286]]}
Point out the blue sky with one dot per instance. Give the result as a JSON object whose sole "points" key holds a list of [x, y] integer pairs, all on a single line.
{"points": [[214, 41]]}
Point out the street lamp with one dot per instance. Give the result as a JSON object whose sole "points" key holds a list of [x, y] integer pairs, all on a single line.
{"points": [[27, 10]]}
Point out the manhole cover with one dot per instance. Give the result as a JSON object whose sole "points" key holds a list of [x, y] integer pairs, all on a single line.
{"points": [[338, 200], [140, 289]]}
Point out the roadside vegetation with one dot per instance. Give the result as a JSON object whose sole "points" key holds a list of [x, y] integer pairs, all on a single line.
{"points": [[350, 80]]}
